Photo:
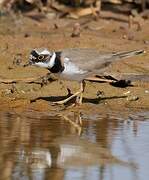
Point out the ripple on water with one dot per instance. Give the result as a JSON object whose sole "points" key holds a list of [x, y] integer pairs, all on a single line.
{"points": [[48, 145]]}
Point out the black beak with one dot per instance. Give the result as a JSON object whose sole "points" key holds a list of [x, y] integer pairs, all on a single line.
{"points": [[28, 64]]}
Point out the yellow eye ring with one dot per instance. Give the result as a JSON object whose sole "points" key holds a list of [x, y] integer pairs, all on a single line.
{"points": [[40, 57]]}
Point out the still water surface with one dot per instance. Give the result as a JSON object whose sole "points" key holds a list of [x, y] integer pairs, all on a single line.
{"points": [[40, 146]]}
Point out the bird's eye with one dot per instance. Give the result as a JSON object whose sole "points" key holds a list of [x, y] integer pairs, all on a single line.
{"points": [[40, 57]]}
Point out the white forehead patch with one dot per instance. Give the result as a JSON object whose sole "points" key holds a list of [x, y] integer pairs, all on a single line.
{"points": [[43, 51]]}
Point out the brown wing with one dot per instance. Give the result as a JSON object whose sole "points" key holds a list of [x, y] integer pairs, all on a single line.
{"points": [[92, 60], [87, 59]]}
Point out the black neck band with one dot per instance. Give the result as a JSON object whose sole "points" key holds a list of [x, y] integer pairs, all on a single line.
{"points": [[57, 64]]}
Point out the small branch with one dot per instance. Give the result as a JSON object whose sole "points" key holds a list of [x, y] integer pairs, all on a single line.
{"points": [[37, 80], [98, 79]]}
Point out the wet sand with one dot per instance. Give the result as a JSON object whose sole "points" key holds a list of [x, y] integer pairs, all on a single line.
{"points": [[20, 34]]}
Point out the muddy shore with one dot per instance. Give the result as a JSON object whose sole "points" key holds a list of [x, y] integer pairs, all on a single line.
{"points": [[20, 34]]}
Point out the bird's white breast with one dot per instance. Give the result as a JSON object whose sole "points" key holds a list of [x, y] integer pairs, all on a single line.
{"points": [[72, 71]]}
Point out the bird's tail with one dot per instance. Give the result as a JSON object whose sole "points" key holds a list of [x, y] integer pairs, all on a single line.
{"points": [[127, 54]]}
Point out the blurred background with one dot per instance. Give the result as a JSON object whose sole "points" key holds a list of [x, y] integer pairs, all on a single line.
{"points": [[74, 8]]}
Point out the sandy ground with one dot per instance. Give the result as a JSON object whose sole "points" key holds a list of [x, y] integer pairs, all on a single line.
{"points": [[20, 34]]}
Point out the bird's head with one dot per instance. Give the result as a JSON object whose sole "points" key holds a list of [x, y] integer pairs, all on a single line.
{"points": [[42, 58]]}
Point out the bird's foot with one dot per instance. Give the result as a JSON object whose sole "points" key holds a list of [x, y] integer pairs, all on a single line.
{"points": [[67, 99]]}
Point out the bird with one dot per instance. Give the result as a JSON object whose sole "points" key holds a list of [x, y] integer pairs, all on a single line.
{"points": [[76, 64]]}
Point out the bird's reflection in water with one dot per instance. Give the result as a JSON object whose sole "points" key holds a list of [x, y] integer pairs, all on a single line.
{"points": [[37, 146]]}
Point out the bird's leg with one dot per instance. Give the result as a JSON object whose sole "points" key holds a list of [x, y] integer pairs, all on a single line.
{"points": [[74, 95], [79, 98]]}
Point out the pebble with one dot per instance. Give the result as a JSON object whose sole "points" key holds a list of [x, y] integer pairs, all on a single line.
{"points": [[128, 92], [132, 98]]}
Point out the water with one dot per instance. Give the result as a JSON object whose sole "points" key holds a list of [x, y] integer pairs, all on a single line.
{"points": [[45, 146]]}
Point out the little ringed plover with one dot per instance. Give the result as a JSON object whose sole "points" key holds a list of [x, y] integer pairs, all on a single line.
{"points": [[76, 64]]}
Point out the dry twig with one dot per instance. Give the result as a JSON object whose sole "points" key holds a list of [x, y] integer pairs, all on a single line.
{"points": [[37, 80]]}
